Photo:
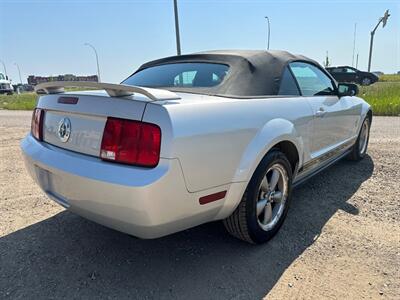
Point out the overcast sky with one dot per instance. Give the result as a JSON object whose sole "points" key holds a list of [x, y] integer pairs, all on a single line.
{"points": [[46, 37]]}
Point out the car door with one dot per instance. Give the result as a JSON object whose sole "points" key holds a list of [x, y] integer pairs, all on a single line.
{"points": [[332, 119], [338, 74], [350, 75]]}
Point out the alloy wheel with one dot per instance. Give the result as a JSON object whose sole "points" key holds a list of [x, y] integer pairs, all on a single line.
{"points": [[272, 195], [364, 137]]}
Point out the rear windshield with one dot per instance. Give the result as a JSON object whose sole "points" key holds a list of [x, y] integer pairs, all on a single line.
{"points": [[185, 75]]}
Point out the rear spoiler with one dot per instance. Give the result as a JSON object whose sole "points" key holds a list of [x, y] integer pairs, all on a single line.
{"points": [[113, 90]]}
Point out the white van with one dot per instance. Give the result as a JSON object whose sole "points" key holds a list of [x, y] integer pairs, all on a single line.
{"points": [[5, 85]]}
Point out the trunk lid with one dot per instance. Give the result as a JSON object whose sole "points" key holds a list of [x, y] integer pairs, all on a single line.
{"points": [[79, 126]]}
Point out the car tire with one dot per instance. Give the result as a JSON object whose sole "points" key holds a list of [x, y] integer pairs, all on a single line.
{"points": [[359, 149], [263, 207], [366, 81]]}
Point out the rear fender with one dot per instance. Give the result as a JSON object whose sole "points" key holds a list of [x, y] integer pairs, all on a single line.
{"points": [[272, 133]]}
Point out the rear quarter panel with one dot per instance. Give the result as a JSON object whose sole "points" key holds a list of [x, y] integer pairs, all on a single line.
{"points": [[220, 140]]}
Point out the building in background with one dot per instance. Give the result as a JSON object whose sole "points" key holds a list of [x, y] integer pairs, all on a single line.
{"points": [[34, 80]]}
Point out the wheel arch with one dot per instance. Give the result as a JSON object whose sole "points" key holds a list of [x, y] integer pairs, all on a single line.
{"points": [[369, 114], [278, 133], [291, 152]]}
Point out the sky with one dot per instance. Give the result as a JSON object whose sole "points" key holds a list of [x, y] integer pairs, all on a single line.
{"points": [[46, 37]]}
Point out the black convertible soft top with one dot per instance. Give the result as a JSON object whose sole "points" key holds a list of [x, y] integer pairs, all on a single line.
{"points": [[251, 72]]}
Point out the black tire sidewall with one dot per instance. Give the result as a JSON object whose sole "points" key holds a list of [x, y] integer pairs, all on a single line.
{"points": [[357, 155], [257, 234]]}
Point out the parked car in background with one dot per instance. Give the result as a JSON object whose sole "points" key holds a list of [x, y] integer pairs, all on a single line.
{"points": [[190, 139], [350, 74], [5, 85], [378, 73]]}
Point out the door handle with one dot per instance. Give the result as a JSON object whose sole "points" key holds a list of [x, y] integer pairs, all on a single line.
{"points": [[320, 113]]}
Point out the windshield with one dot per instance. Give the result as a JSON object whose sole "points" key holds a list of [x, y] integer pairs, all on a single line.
{"points": [[2, 77], [186, 75]]}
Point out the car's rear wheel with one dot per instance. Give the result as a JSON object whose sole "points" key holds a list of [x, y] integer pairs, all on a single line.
{"points": [[366, 81], [265, 202], [360, 147]]}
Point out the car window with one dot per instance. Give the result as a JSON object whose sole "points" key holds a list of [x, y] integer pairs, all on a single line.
{"points": [[2, 77], [348, 70], [288, 84], [180, 75], [312, 81], [336, 70], [184, 78]]}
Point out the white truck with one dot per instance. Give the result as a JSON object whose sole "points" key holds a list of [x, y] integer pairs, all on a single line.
{"points": [[5, 85]]}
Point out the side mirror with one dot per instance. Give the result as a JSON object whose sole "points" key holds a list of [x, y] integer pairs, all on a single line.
{"points": [[347, 89], [6, 77]]}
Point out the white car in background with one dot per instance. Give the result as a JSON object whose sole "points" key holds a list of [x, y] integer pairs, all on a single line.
{"points": [[185, 140], [5, 85]]}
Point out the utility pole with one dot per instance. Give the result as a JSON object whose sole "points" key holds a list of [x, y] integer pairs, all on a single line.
{"points": [[354, 44], [382, 20], [19, 73], [5, 69], [357, 62], [97, 59], [178, 39], [269, 32]]}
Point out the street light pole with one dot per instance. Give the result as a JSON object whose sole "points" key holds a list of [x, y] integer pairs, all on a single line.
{"points": [[178, 39], [19, 73], [354, 44], [4, 66], [371, 44], [97, 59], [269, 31]]}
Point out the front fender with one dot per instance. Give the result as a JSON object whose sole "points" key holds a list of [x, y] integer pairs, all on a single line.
{"points": [[365, 108], [272, 133]]}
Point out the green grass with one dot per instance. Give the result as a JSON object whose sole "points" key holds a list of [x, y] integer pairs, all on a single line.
{"points": [[384, 98], [25, 101], [390, 78]]}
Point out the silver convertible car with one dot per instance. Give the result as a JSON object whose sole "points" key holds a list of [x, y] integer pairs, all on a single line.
{"points": [[190, 139]]}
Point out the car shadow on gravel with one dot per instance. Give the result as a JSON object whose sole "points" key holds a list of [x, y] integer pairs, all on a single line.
{"points": [[67, 256]]}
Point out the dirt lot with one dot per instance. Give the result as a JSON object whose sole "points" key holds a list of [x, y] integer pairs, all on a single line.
{"points": [[341, 240]]}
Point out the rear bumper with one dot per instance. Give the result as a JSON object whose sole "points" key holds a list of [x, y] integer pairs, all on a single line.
{"points": [[146, 203]]}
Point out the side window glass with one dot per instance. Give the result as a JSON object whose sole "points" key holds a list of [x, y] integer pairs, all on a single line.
{"points": [[348, 70], [312, 81], [288, 85]]}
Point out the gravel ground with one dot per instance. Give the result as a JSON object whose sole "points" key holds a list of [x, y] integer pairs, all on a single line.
{"points": [[341, 240]]}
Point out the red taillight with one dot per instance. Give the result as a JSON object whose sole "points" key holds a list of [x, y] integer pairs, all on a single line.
{"points": [[68, 100], [131, 142], [37, 123]]}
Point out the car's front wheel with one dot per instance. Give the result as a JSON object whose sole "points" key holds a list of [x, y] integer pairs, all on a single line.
{"points": [[360, 147], [265, 202]]}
